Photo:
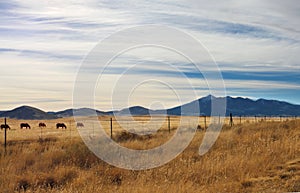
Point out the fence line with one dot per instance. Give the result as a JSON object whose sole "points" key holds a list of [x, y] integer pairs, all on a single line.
{"points": [[114, 124]]}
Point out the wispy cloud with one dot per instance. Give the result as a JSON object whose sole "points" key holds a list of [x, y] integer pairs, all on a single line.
{"points": [[256, 44]]}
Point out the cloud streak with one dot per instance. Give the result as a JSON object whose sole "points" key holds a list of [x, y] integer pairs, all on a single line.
{"points": [[256, 44]]}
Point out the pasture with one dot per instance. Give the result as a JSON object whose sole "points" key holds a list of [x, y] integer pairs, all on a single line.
{"points": [[254, 155]]}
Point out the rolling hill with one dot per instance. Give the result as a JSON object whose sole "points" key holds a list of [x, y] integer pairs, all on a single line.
{"points": [[136, 110], [27, 112], [77, 112]]}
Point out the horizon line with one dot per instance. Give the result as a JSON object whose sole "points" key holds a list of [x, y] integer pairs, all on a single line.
{"points": [[112, 110]]}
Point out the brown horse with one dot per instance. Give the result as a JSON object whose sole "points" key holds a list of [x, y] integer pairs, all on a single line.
{"points": [[25, 125], [42, 125], [62, 125], [4, 126], [80, 125]]}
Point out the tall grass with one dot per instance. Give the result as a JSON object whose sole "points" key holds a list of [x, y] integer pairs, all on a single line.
{"points": [[252, 157]]}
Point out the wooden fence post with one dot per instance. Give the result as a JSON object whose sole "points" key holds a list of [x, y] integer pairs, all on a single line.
{"points": [[111, 127], [5, 128], [231, 120], [169, 124], [41, 133], [71, 129], [240, 119]]}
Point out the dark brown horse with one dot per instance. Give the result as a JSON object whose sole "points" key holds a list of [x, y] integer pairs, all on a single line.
{"points": [[42, 125], [4, 126], [25, 125], [62, 125], [80, 125]]}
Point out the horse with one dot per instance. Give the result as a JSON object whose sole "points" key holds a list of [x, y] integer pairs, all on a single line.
{"points": [[4, 126], [42, 125], [26, 125], [200, 128], [80, 125], [62, 125]]}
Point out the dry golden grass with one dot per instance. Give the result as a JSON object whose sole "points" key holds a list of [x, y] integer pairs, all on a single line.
{"points": [[249, 157]]}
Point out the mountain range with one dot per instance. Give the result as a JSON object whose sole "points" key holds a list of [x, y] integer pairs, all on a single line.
{"points": [[237, 106]]}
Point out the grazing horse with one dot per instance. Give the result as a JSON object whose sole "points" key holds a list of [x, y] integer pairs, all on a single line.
{"points": [[42, 125], [4, 126], [200, 128], [80, 125], [62, 125], [26, 125]]}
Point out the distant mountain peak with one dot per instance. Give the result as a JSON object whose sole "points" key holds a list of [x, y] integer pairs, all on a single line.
{"points": [[208, 98], [26, 107]]}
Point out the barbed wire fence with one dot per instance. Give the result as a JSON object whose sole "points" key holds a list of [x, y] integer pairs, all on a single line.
{"points": [[113, 125]]}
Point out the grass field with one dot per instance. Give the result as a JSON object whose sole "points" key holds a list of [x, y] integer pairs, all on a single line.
{"points": [[254, 156]]}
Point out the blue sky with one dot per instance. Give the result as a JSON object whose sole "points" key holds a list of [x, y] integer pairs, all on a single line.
{"points": [[256, 45]]}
